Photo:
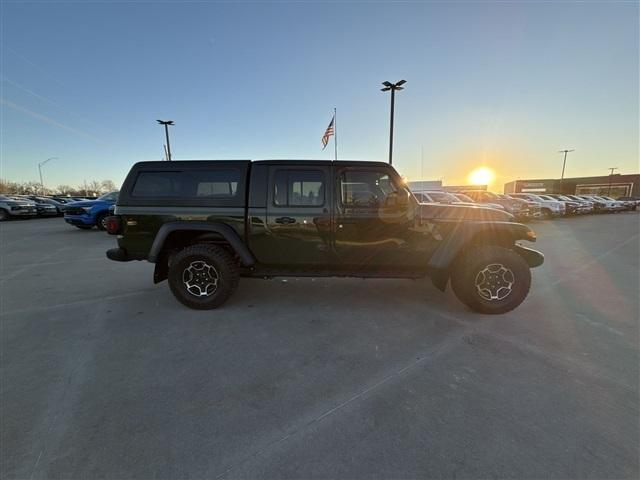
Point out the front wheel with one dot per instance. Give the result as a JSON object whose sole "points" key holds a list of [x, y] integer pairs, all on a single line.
{"points": [[101, 221], [491, 279], [203, 276], [4, 215]]}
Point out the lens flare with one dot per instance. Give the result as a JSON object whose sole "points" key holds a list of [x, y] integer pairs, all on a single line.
{"points": [[481, 176]]}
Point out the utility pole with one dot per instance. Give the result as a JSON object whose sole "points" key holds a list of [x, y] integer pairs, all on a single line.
{"points": [[40, 170], [166, 124], [393, 87], [611, 170]]}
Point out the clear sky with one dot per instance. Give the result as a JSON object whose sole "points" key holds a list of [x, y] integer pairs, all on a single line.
{"points": [[501, 84]]}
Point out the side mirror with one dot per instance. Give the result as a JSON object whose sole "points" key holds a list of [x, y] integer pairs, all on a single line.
{"points": [[397, 199]]}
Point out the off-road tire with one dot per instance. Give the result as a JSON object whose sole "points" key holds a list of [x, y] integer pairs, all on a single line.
{"points": [[4, 215], [100, 221], [207, 256], [84, 227], [503, 271]]}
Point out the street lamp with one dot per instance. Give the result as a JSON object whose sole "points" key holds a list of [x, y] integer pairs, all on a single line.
{"points": [[393, 87], [40, 164], [564, 162], [166, 124]]}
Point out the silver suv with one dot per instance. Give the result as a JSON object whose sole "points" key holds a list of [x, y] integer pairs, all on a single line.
{"points": [[16, 208]]}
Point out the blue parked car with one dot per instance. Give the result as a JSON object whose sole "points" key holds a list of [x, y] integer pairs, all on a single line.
{"points": [[86, 214]]}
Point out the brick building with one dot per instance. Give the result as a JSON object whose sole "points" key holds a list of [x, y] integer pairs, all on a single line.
{"points": [[617, 185]]}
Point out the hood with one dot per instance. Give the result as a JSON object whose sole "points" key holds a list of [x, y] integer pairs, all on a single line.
{"points": [[434, 211], [84, 203]]}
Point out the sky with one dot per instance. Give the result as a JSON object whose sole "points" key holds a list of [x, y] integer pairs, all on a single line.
{"points": [[498, 84]]}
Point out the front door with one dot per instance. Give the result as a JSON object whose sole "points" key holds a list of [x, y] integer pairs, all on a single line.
{"points": [[298, 216], [373, 228]]}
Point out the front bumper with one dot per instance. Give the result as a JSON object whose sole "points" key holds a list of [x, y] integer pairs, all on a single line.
{"points": [[79, 219], [23, 213], [118, 255], [48, 213], [534, 258]]}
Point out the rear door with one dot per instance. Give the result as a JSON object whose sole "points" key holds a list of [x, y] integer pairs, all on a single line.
{"points": [[298, 221]]}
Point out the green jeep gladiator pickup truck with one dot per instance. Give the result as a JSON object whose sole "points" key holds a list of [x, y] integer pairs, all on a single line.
{"points": [[206, 223]]}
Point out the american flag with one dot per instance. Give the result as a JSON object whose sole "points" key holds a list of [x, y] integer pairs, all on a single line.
{"points": [[328, 133]]}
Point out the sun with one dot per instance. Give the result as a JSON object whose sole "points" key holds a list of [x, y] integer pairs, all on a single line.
{"points": [[481, 176]]}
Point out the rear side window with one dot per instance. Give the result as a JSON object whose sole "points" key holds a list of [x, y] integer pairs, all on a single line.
{"points": [[299, 188], [194, 184]]}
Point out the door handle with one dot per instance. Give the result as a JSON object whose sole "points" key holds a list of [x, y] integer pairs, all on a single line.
{"points": [[285, 220]]}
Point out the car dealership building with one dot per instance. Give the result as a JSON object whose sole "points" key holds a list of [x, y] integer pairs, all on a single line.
{"points": [[616, 185]]}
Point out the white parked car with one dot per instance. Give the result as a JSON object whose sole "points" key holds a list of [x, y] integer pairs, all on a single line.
{"points": [[549, 207]]}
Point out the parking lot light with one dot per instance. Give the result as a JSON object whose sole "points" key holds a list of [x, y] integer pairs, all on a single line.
{"points": [[40, 164], [166, 124], [393, 87]]}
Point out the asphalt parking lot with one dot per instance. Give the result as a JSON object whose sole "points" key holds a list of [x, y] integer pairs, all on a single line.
{"points": [[105, 375]]}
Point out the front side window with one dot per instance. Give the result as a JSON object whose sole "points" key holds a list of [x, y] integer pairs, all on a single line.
{"points": [[365, 188], [299, 188]]}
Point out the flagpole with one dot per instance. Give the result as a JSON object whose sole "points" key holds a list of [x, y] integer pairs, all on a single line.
{"points": [[335, 132]]}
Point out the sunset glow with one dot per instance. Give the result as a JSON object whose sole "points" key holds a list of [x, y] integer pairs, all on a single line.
{"points": [[481, 176]]}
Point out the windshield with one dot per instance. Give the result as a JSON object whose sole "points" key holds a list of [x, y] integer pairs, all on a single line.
{"points": [[442, 197], [491, 195], [107, 197], [462, 197]]}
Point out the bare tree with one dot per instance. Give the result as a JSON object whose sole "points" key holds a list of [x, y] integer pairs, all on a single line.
{"points": [[108, 186], [94, 187], [8, 188], [65, 189]]}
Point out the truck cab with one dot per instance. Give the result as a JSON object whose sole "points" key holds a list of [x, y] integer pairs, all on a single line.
{"points": [[320, 218]]}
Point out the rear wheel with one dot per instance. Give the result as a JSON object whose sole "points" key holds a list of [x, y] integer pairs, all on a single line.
{"points": [[491, 279], [203, 276]]}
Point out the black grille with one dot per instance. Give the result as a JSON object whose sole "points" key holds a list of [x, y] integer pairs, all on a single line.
{"points": [[74, 210]]}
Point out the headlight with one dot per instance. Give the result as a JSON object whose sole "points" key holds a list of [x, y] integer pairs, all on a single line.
{"points": [[86, 209]]}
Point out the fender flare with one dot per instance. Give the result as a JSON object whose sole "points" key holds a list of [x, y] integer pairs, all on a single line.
{"points": [[228, 233], [443, 257]]}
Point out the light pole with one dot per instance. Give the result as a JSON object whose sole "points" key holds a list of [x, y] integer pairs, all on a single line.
{"points": [[166, 124], [611, 170], [564, 162], [393, 87], [40, 164]]}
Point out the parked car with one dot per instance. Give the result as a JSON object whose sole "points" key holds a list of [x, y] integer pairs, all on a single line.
{"points": [[516, 207], [588, 205], [206, 223], [549, 207], [465, 200], [11, 207], [534, 212], [447, 198], [89, 213], [59, 207], [633, 201], [573, 207], [43, 209], [61, 199], [600, 204], [618, 204]]}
